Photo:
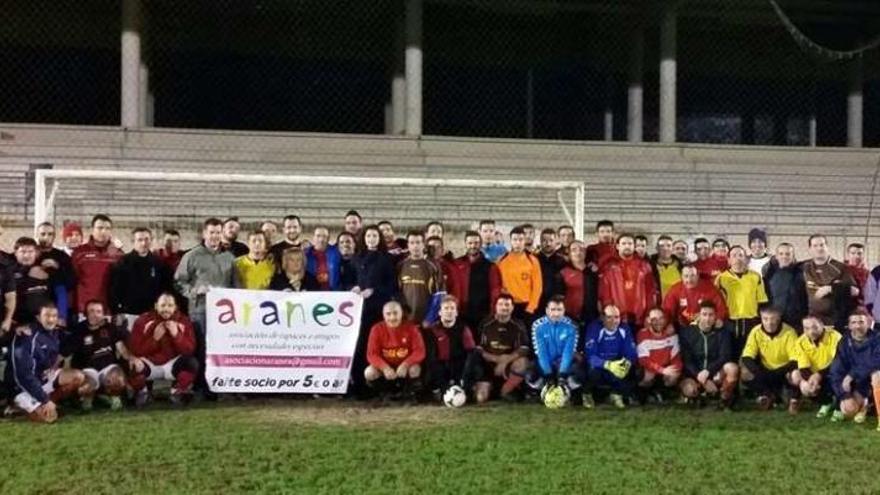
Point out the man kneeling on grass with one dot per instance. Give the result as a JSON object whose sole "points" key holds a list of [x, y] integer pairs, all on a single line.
{"points": [[855, 371], [94, 346], [449, 341], [707, 352], [659, 357], [163, 344], [815, 350], [554, 339], [500, 360], [769, 358], [395, 351], [37, 381], [610, 355]]}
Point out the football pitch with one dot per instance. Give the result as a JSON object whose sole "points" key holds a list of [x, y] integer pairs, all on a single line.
{"points": [[330, 446]]}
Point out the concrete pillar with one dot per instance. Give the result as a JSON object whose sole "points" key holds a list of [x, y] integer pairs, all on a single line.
{"points": [[145, 97], [130, 108], [395, 122], [668, 74], [414, 11], [854, 105], [635, 91]]}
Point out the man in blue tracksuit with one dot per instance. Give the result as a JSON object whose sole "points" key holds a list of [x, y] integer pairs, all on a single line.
{"points": [[37, 382], [855, 371], [610, 355], [554, 338]]}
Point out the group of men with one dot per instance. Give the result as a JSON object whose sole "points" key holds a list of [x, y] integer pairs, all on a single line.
{"points": [[604, 321]]}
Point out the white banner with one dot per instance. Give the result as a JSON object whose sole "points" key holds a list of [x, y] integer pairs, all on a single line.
{"points": [[261, 341]]}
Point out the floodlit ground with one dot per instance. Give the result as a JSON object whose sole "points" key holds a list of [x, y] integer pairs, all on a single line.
{"points": [[329, 446]]}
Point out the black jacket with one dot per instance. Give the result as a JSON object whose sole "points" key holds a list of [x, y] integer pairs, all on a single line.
{"points": [[136, 282], [787, 291], [705, 351]]}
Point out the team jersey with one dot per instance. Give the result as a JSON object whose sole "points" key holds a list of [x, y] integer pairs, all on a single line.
{"points": [[773, 351], [657, 351], [418, 280], [817, 356], [521, 278], [395, 346], [502, 338], [252, 274], [451, 343], [668, 275], [92, 348], [603, 345], [709, 268], [742, 293]]}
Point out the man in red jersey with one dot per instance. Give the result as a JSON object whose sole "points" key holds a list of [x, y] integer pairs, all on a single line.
{"points": [[395, 352]]}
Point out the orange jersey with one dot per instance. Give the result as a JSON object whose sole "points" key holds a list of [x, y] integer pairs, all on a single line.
{"points": [[521, 277]]}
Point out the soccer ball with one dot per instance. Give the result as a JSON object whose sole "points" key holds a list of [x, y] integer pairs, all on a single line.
{"points": [[454, 397], [555, 396]]}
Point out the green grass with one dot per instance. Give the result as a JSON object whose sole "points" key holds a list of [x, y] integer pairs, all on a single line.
{"points": [[338, 447]]}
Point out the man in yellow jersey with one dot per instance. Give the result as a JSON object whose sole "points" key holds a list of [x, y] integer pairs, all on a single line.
{"points": [[255, 269], [814, 352], [666, 266], [769, 358], [520, 274], [743, 291]]}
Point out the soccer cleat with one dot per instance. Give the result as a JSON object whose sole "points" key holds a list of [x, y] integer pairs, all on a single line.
{"points": [[794, 406], [617, 401], [589, 402], [837, 416], [878, 425], [765, 402], [824, 411], [115, 403], [86, 404]]}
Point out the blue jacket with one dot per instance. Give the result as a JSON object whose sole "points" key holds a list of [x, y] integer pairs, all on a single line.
{"points": [[32, 356], [606, 345], [856, 360], [333, 261], [555, 343]]}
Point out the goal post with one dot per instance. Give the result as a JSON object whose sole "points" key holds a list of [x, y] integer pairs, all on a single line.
{"points": [[49, 187]]}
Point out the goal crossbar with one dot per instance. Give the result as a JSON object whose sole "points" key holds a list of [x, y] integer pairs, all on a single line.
{"points": [[43, 202]]}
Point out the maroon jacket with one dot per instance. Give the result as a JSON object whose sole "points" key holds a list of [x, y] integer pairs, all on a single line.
{"points": [[92, 265]]}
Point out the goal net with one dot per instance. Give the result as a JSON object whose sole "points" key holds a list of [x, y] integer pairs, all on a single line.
{"points": [[183, 199]]}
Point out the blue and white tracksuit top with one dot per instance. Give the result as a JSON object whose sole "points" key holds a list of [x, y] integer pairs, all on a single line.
{"points": [[32, 356], [555, 343]]}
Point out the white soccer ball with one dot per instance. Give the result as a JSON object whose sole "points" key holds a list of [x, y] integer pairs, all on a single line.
{"points": [[454, 397]]}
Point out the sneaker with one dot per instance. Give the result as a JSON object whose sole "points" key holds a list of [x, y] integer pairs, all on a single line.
{"points": [[142, 398], [861, 416], [824, 411], [837, 416], [765, 402], [589, 402], [794, 406], [617, 401]]}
